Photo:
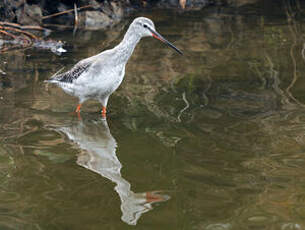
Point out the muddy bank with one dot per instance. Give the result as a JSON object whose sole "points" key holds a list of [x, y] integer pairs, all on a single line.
{"points": [[94, 14]]}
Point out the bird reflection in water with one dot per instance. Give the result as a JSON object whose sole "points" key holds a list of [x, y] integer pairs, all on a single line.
{"points": [[99, 156]]}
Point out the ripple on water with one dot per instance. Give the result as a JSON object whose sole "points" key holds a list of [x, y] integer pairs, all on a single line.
{"points": [[259, 221], [219, 226], [291, 226], [236, 156], [299, 211], [8, 197], [15, 223]]}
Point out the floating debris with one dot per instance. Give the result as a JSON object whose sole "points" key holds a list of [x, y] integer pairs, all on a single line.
{"points": [[2, 72], [55, 46], [52, 45], [15, 36]]}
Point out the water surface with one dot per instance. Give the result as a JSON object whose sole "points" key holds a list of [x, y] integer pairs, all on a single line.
{"points": [[210, 140]]}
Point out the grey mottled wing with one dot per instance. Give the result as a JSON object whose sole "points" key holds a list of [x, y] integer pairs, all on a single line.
{"points": [[73, 73]]}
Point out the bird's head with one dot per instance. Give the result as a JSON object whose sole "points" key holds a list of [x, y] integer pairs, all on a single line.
{"points": [[146, 28]]}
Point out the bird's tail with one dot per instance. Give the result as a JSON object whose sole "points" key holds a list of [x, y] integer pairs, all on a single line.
{"points": [[52, 80]]}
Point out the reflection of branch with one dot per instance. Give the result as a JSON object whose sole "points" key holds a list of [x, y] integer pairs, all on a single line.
{"points": [[28, 34], [16, 36], [8, 34], [5, 49], [232, 37], [205, 98], [303, 52], [276, 82], [254, 68], [274, 76], [295, 76], [18, 26], [75, 19], [185, 108], [293, 30], [291, 51], [20, 35]]}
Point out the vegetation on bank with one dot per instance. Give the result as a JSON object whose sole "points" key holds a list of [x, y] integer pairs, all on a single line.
{"points": [[25, 23], [39, 12]]}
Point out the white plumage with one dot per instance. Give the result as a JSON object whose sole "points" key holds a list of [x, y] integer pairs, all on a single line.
{"points": [[97, 77]]}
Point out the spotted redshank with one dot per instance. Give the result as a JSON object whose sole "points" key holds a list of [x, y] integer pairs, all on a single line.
{"points": [[97, 77]]}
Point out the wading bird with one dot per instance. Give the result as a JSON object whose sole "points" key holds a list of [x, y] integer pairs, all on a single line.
{"points": [[97, 77]]}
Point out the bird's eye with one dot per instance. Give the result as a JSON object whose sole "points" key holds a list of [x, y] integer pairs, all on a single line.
{"points": [[144, 25]]}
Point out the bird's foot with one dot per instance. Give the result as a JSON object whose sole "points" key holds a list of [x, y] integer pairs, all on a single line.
{"points": [[78, 108], [104, 112], [77, 112]]}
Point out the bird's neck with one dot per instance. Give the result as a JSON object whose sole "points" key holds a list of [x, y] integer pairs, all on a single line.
{"points": [[127, 45]]}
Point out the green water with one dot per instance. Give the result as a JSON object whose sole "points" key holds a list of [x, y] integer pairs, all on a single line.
{"points": [[212, 140]]}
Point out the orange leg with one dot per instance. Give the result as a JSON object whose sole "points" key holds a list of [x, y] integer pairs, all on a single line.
{"points": [[153, 197], [104, 112], [78, 108]]}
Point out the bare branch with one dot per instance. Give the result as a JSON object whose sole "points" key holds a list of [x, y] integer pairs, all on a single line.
{"points": [[8, 34], [65, 12]]}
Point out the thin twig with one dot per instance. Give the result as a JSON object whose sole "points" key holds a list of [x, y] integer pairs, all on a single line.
{"points": [[27, 39], [55, 74], [28, 27], [65, 12], [8, 34], [32, 36], [75, 19], [58, 26], [34, 28], [75, 16], [10, 24]]}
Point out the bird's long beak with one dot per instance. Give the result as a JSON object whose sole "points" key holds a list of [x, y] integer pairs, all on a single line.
{"points": [[158, 36]]}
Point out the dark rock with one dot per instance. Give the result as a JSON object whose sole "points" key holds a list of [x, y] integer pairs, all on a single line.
{"points": [[117, 11], [199, 4], [7, 9], [190, 4], [104, 13], [110, 15], [29, 15], [94, 20]]}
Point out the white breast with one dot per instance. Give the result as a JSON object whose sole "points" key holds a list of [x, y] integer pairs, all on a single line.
{"points": [[99, 82]]}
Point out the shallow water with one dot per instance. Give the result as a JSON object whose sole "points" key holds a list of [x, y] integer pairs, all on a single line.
{"points": [[210, 140]]}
